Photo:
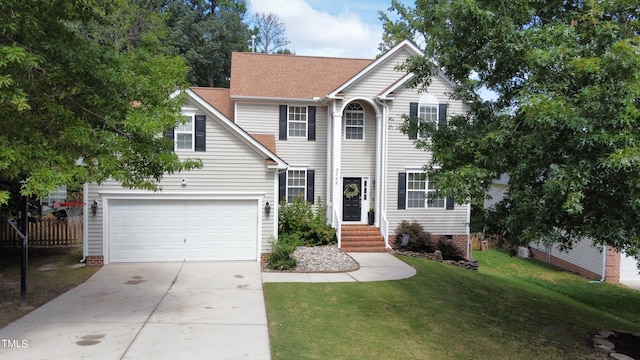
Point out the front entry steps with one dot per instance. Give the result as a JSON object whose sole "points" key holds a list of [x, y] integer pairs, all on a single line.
{"points": [[362, 238]]}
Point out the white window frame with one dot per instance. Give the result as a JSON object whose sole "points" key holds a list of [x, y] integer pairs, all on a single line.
{"points": [[349, 111], [297, 186], [180, 130], [430, 116], [297, 115], [424, 188]]}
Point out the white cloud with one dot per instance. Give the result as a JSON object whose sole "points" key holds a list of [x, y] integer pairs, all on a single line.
{"points": [[318, 33]]}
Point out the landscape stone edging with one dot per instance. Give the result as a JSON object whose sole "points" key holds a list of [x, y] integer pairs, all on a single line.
{"points": [[470, 264], [606, 348]]}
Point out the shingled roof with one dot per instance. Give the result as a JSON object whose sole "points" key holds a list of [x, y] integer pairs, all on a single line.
{"points": [[290, 76], [218, 98]]}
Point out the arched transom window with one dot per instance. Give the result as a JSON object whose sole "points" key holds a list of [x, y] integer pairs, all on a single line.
{"points": [[354, 122]]}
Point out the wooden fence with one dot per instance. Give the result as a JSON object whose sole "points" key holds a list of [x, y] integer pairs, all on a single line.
{"points": [[44, 233], [477, 239]]}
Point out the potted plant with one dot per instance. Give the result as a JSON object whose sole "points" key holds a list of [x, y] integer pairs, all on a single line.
{"points": [[372, 216]]}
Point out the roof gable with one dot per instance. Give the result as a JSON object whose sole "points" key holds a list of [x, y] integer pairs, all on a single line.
{"points": [[290, 76], [218, 98], [404, 45], [235, 129]]}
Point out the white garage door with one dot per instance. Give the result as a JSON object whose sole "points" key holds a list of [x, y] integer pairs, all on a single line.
{"points": [[628, 269], [176, 230]]}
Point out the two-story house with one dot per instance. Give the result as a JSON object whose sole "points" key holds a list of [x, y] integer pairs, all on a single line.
{"points": [[323, 128]]}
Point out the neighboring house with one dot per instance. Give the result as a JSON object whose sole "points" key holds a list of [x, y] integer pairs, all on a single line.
{"points": [[322, 128], [593, 261]]}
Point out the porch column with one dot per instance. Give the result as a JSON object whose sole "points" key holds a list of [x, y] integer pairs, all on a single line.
{"points": [[378, 179], [336, 173]]}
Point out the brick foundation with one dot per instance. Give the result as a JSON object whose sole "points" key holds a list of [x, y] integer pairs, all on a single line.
{"points": [[613, 266], [563, 264], [460, 242], [94, 261]]}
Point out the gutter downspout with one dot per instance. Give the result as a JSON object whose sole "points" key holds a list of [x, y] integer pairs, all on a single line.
{"points": [[85, 222], [469, 228], [604, 263]]}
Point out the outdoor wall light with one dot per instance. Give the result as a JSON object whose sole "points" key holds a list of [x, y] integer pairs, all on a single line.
{"points": [[94, 207], [267, 208]]}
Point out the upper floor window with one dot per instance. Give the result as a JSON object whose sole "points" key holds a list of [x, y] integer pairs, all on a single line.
{"points": [[422, 193], [297, 121], [428, 114], [354, 122], [427, 110], [184, 133], [296, 184]]}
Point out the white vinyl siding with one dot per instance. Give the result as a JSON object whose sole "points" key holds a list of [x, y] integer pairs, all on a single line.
{"points": [[229, 167], [583, 254], [359, 157], [379, 78], [262, 118], [403, 155]]}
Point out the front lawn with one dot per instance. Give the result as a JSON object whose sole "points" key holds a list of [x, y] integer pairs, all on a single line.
{"points": [[511, 309]]}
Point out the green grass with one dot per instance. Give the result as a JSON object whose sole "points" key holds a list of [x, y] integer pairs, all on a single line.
{"points": [[511, 309]]}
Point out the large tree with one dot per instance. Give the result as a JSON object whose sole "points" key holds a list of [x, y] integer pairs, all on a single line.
{"points": [[565, 125], [75, 107], [270, 33], [205, 33]]}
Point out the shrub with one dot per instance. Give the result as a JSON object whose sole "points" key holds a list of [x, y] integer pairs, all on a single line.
{"points": [[280, 257], [311, 228], [448, 250], [419, 240]]}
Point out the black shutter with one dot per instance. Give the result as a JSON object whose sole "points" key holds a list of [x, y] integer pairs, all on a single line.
{"points": [[402, 191], [310, 185], [169, 134], [442, 114], [448, 204], [282, 187], [413, 113], [200, 127], [311, 123], [283, 123]]}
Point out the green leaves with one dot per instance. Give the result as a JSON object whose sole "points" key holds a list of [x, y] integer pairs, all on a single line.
{"points": [[67, 96], [566, 124]]}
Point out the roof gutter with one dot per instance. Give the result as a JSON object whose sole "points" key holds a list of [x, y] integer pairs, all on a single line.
{"points": [[263, 98]]}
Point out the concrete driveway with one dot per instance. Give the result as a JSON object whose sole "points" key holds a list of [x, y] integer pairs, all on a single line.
{"points": [[191, 310]]}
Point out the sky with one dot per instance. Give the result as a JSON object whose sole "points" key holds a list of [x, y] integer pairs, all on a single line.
{"points": [[334, 28]]}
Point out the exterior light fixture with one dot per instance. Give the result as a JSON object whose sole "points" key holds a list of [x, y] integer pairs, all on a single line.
{"points": [[94, 207], [267, 208]]}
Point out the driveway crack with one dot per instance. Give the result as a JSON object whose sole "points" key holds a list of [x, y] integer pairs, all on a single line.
{"points": [[146, 321]]}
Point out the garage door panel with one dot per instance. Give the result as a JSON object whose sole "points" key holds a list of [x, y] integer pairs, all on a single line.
{"points": [[628, 269], [172, 230]]}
